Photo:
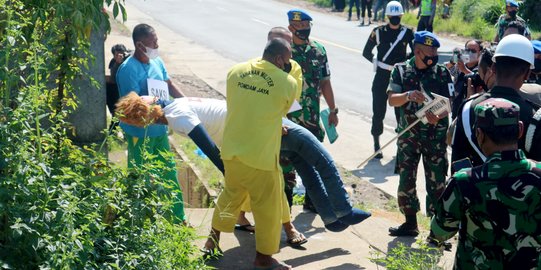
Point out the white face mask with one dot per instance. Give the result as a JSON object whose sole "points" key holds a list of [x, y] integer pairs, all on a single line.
{"points": [[151, 53]]}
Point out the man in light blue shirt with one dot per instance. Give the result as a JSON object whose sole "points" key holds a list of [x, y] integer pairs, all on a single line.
{"points": [[134, 75]]}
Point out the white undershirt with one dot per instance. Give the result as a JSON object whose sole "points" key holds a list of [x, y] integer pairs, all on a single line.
{"points": [[183, 114]]}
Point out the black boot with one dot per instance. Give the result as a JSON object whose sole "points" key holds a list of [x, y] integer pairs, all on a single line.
{"points": [[409, 228], [377, 147]]}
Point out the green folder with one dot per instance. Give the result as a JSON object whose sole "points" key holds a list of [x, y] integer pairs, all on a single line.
{"points": [[329, 129]]}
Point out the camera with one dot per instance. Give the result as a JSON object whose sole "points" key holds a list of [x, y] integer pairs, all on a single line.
{"points": [[460, 55], [476, 81]]}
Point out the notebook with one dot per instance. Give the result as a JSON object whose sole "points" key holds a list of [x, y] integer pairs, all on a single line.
{"points": [[329, 129]]}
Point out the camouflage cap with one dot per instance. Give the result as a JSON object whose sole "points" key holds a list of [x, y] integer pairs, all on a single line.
{"points": [[496, 112]]}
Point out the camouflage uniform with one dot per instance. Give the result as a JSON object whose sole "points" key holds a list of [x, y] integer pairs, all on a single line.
{"points": [[504, 20], [424, 140], [315, 68], [495, 207]]}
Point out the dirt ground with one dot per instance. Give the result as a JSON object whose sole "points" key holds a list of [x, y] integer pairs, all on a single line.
{"points": [[361, 192]]}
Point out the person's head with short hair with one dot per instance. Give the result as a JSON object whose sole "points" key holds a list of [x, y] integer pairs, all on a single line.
{"points": [[515, 27], [280, 32], [425, 49], [278, 52], [497, 125], [119, 52], [134, 110], [145, 41], [484, 68]]}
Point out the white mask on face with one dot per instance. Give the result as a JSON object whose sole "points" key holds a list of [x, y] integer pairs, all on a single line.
{"points": [[151, 53]]}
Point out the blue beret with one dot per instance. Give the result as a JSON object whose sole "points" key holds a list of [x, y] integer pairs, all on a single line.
{"points": [[511, 3], [536, 46], [426, 38], [298, 15]]}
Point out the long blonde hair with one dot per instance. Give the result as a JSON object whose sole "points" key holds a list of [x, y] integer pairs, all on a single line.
{"points": [[132, 110]]}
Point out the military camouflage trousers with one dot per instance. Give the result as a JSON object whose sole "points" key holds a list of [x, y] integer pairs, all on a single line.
{"points": [[435, 163]]}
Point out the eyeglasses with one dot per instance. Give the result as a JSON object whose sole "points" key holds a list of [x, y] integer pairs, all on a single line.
{"points": [[471, 51]]}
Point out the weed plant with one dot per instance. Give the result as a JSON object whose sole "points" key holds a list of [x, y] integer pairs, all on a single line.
{"points": [[63, 206]]}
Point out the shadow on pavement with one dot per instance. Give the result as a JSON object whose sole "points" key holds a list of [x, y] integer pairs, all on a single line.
{"points": [[303, 223], [345, 266], [375, 171], [318, 257]]}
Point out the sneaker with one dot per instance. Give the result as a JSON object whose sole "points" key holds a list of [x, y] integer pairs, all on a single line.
{"points": [[336, 226], [362, 22], [355, 217], [369, 22], [404, 230], [349, 19]]}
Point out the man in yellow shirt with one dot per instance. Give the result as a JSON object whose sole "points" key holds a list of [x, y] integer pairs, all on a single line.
{"points": [[259, 94]]}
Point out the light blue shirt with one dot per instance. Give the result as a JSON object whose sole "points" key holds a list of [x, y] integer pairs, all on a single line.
{"points": [[132, 75]]}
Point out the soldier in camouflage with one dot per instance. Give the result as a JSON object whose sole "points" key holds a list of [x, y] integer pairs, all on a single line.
{"points": [[317, 79], [315, 69], [420, 74], [511, 9], [494, 207]]}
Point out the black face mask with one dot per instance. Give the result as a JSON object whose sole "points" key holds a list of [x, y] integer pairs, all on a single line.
{"points": [[430, 61], [537, 68], [302, 34], [395, 20], [287, 67], [513, 14]]}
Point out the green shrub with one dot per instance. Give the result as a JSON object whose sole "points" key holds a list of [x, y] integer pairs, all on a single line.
{"points": [[403, 257], [62, 206]]}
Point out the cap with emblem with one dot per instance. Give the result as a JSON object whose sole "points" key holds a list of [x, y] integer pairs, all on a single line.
{"points": [[496, 112], [426, 38], [511, 3], [298, 15], [536, 46]]}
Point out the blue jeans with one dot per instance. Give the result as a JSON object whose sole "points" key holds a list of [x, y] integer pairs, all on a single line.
{"points": [[316, 168]]}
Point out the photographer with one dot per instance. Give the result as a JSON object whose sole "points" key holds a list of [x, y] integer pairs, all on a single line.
{"points": [[120, 53], [466, 64]]}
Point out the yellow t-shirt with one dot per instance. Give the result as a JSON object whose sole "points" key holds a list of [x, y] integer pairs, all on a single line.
{"points": [[258, 95], [296, 73]]}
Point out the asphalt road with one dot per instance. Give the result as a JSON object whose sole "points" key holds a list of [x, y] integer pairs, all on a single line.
{"points": [[237, 30]]}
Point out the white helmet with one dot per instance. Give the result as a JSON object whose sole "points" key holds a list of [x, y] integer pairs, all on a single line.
{"points": [[516, 46], [394, 8]]}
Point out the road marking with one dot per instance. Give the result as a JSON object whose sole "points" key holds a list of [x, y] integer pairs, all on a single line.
{"points": [[337, 45], [260, 21]]}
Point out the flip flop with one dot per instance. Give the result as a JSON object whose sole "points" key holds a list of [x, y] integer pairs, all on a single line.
{"points": [[297, 240], [275, 265], [211, 253], [245, 228]]}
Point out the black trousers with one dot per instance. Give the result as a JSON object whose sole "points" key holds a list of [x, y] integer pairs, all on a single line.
{"points": [[424, 24], [366, 5], [357, 7], [112, 96], [379, 100]]}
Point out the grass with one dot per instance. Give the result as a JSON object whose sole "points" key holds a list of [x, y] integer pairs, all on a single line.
{"points": [[209, 172]]}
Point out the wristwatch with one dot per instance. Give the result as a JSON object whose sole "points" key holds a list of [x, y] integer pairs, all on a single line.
{"points": [[335, 110]]}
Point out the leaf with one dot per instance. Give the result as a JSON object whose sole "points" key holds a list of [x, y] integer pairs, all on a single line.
{"points": [[115, 10], [124, 13]]}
